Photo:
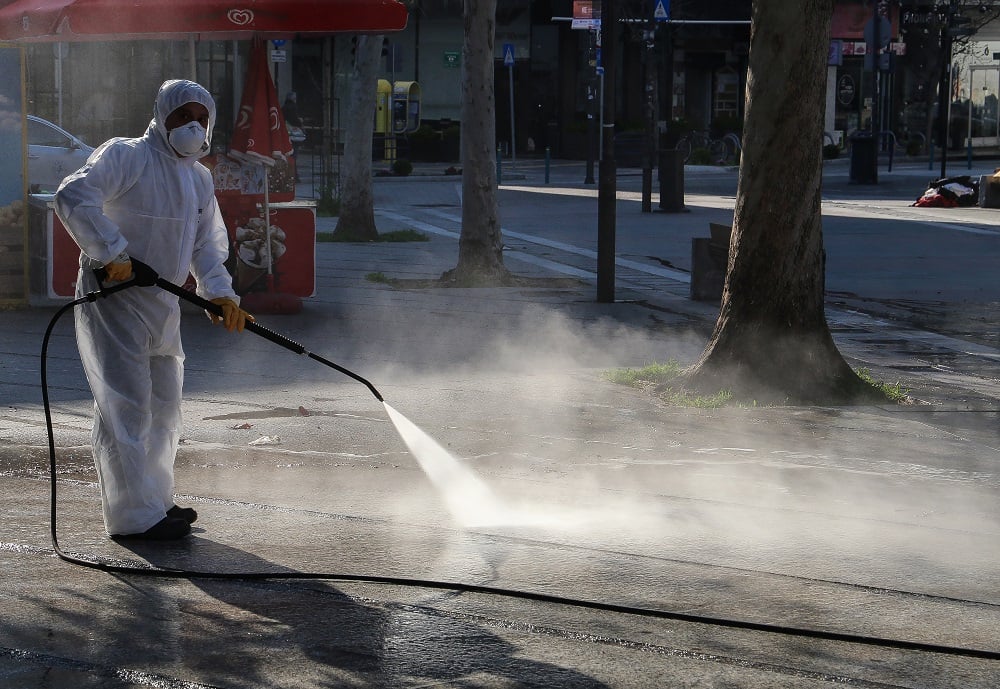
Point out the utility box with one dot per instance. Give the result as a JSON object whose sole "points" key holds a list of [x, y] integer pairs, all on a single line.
{"points": [[383, 111], [405, 107], [989, 191]]}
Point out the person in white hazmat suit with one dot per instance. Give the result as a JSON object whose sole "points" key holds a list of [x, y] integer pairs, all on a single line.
{"points": [[147, 198]]}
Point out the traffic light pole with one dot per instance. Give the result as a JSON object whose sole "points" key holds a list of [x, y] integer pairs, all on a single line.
{"points": [[607, 191]]}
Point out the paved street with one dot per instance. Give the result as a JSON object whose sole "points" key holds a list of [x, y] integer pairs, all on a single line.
{"points": [[567, 531]]}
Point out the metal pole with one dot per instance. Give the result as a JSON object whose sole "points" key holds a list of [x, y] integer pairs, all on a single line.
{"points": [[193, 57], [968, 138], [59, 51], [591, 134], [600, 142], [326, 147], [944, 101], [592, 47], [513, 139], [649, 145], [607, 194], [876, 78]]}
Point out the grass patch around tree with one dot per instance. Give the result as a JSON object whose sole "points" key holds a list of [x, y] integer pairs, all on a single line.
{"points": [[894, 392], [658, 378], [380, 278]]}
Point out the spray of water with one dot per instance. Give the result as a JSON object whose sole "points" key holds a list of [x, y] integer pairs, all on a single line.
{"points": [[471, 502], [468, 498]]}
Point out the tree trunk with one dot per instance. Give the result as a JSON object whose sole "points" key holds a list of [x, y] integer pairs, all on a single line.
{"points": [[771, 341], [480, 245], [356, 222]]}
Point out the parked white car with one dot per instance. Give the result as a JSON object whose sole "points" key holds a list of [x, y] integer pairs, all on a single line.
{"points": [[53, 153]]}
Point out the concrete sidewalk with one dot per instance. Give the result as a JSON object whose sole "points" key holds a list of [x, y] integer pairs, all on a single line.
{"points": [[880, 522]]}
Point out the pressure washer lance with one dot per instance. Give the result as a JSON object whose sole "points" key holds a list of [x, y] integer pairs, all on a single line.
{"points": [[144, 276]]}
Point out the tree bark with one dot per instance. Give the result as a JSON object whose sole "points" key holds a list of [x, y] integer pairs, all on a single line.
{"points": [[356, 222], [771, 342], [480, 245]]}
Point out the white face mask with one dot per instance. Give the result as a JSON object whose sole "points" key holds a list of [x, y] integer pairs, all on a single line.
{"points": [[188, 139]]}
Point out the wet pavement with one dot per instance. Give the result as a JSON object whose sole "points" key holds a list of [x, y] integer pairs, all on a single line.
{"points": [[604, 539]]}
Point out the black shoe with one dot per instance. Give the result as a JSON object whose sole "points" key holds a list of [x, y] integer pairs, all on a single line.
{"points": [[186, 513], [167, 529]]}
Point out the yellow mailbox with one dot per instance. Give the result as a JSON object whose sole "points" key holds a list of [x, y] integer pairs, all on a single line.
{"points": [[405, 107], [383, 111]]}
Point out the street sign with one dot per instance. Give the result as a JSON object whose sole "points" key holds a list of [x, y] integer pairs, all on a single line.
{"points": [[278, 42], [661, 12], [508, 61], [279, 56], [508, 54], [877, 39], [452, 59], [586, 15]]}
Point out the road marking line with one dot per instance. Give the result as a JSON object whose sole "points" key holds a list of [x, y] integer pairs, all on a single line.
{"points": [[678, 275]]}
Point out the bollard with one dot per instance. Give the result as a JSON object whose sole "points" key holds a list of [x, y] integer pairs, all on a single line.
{"points": [[548, 160], [499, 168], [671, 164]]}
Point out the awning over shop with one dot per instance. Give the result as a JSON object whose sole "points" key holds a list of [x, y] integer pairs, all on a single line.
{"points": [[105, 20]]}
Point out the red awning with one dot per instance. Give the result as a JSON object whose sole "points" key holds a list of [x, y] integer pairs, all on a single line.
{"points": [[107, 20]]}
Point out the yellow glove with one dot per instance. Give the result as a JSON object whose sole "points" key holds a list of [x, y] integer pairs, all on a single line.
{"points": [[118, 271], [234, 318]]}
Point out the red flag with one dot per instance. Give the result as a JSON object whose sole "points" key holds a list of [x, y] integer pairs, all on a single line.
{"points": [[260, 135]]}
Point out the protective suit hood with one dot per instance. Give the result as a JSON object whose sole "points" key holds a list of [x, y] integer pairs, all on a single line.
{"points": [[173, 94]]}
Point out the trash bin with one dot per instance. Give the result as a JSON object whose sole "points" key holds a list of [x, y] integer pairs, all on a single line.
{"points": [[864, 158]]}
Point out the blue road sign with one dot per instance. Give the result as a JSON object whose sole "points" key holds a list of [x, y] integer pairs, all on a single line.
{"points": [[661, 12], [508, 54]]}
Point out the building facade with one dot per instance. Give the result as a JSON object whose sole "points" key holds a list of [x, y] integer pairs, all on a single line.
{"points": [[686, 73]]}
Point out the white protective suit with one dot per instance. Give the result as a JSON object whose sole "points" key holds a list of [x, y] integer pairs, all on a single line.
{"points": [[139, 196]]}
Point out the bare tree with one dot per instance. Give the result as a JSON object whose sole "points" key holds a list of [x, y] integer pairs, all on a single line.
{"points": [[357, 202], [480, 245], [771, 340]]}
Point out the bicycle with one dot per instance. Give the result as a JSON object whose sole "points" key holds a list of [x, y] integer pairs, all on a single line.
{"points": [[733, 147], [716, 150], [911, 143]]}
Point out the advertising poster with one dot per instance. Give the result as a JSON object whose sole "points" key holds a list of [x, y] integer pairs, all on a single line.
{"points": [[13, 213]]}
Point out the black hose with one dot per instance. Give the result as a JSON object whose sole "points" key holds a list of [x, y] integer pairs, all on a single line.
{"points": [[767, 628]]}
